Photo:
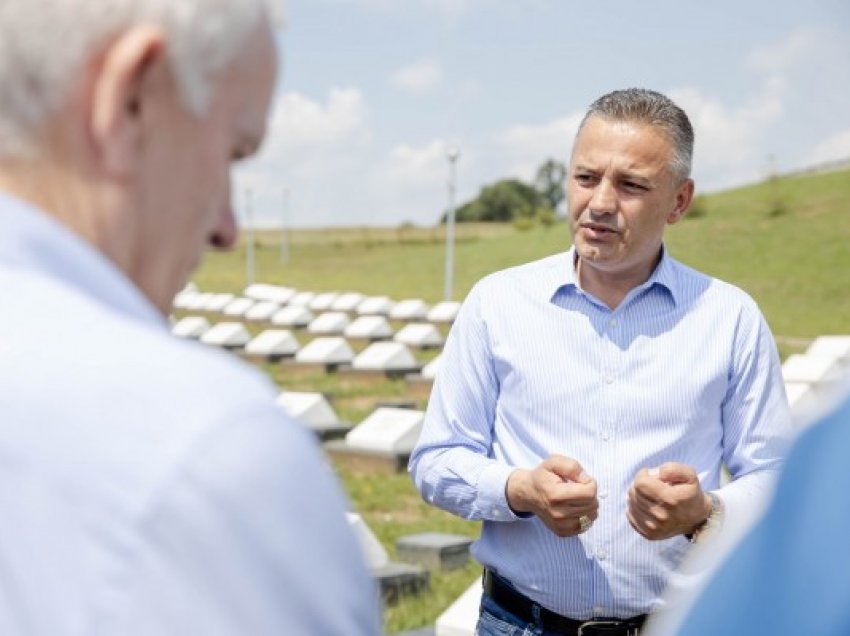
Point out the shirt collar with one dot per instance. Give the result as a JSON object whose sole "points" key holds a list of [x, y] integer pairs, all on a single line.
{"points": [[34, 241], [664, 276]]}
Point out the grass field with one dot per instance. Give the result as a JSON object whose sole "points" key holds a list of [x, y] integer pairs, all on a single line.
{"points": [[786, 243]]}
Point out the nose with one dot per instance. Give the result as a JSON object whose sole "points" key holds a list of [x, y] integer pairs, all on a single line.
{"points": [[225, 232], [604, 199]]}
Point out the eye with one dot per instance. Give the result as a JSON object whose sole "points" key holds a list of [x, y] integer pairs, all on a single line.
{"points": [[632, 186], [584, 178]]}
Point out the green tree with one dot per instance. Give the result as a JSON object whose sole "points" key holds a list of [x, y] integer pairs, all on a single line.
{"points": [[549, 182], [502, 201]]}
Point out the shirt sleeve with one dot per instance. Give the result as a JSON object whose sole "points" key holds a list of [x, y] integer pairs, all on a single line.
{"points": [[452, 464], [247, 537], [756, 416]]}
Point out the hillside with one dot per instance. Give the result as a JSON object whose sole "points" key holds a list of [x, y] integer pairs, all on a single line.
{"points": [[796, 265]]}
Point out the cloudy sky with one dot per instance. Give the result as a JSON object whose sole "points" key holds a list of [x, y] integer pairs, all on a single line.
{"points": [[372, 92]]}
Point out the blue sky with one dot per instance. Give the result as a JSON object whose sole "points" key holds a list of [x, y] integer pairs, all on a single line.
{"points": [[372, 92]]}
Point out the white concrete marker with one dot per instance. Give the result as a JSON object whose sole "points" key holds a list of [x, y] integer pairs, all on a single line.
{"points": [[419, 334], [326, 351], [191, 327], [444, 312], [375, 306], [295, 316], [410, 309], [329, 323], [387, 429], [369, 328], [385, 356], [231, 335], [273, 342]]}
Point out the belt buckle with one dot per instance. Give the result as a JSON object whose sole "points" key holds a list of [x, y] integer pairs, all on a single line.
{"points": [[594, 623]]}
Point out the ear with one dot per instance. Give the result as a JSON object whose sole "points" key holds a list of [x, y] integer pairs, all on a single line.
{"points": [[120, 91], [684, 196]]}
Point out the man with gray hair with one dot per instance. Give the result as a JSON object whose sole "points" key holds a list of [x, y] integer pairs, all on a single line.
{"points": [[587, 402], [148, 485]]}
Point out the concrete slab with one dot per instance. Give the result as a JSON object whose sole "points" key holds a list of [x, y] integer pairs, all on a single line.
{"points": [[444, 312], [228, 335], [410, 309], [329, 323], [375, 305], [347, 302], [262, 311], [323, 301], [273, 344], [315, 411], [192, 327], [369, 329], [294, 316], [434, 550], [422, 335]]}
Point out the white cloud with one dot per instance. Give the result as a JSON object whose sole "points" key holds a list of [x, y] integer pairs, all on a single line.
{"points": [[729, 140], [419, 77], [417, 167], [836, 147], [779, 57], [299, 122], [524, 147], [310, 145]]}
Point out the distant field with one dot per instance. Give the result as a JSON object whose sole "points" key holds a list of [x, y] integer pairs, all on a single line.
{"points": [[796, 265]]}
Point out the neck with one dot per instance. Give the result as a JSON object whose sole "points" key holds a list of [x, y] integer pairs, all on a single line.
{"points": [[612, 286], [61, 192]]}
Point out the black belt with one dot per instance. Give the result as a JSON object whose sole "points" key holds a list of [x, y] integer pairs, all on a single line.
{"points": [[524, 608]]}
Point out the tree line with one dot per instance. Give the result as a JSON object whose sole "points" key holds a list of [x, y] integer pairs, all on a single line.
{"points": [[513, 200]]}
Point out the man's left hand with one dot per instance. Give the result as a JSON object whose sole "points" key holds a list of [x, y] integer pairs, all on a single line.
{"points": [[667, 501]]}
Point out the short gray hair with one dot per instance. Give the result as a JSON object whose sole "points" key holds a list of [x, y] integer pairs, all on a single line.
{"points": [[44, 45], [649, 107]]}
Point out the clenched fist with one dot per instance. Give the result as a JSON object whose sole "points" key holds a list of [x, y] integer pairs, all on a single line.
{"points": [[558, 491], [667, 501]]}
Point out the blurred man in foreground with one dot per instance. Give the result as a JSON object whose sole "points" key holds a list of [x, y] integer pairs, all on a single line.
{"points": [[147, 485], [789, 575]]}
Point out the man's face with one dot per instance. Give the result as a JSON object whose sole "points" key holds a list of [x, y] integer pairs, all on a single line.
{"points": [[621, 193], [183, 195]]}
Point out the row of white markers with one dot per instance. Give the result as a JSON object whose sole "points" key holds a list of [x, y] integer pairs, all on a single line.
{"points": [[287, 307], [387, 356]]}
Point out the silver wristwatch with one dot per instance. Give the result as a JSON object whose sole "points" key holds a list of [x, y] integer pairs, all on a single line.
{"points": [[712, 523]]}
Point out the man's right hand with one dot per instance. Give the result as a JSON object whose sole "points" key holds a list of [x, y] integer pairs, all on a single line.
{"points": [[558, 491]]}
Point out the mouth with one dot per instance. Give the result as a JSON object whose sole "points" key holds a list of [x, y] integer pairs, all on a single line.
{"points": [[599, 230]]}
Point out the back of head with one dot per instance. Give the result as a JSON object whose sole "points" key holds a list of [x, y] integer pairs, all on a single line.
{"points": [[46, 44], [639, 105]]}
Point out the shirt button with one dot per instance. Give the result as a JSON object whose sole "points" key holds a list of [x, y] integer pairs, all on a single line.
{"points": [[612, 323], [601, 554], [496, 512], [609, 379], [598, 610], [603, 494], [605, 437]]}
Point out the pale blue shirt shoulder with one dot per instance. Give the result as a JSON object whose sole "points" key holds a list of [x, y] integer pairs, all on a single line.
{"points": [[151, 485], [685, 369]]}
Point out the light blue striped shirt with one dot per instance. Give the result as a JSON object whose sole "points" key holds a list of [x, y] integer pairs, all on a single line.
{"points": [[685, 369]]}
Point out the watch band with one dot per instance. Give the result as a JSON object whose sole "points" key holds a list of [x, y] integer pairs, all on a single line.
{"points": [[712, 521]]}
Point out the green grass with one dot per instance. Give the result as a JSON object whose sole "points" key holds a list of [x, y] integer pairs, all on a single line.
{"points": [[796, 265]]}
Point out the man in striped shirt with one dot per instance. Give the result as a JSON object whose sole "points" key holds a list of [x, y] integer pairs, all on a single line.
{"points": [[587, 402]]}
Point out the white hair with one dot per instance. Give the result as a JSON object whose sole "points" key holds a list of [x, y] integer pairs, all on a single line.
{"points": [[44, 45]]}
